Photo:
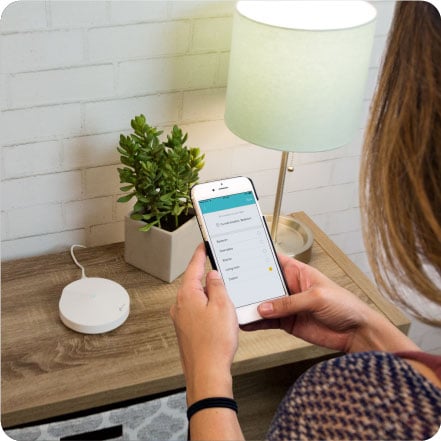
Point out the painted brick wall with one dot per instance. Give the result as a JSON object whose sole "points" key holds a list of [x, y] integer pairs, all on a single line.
{"points": [[72, 76]]}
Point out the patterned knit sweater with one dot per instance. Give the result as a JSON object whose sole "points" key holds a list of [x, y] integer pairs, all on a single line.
{"points": [[360, 396]]}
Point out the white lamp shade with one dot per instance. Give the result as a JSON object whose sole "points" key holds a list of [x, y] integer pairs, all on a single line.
{"points": [[298, 72]]}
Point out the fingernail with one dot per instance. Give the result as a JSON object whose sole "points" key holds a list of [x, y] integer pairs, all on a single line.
{"points": [[266, 308], [214, 275]]}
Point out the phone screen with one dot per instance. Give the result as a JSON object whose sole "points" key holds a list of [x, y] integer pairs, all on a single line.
{"points": [[241, 248]]}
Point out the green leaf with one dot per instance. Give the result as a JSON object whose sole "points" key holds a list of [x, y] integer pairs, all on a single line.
{"points": [[138, 207], [146, 228], [136, 216], [126, 198]]}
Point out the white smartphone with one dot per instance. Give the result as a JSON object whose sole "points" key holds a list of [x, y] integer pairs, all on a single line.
{"points": [[238, 243]]}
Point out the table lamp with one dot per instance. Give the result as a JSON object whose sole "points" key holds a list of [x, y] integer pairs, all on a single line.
{"points": [[296, 80]]}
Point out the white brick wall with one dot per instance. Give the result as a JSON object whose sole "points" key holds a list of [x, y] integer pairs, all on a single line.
{"points": [[33, 51], [72, 76], [27, 125], [61, 86]]}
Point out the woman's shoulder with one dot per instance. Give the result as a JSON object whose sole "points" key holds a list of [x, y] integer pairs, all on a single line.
{"points": [[373, 367], [367, 395], [428, 364]]}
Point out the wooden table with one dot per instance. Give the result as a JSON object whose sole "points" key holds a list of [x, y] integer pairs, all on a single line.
{"points": [[49, 370]]}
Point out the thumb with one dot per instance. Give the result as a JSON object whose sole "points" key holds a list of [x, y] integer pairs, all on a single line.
{"points": [[288, 305], [215, 286]]}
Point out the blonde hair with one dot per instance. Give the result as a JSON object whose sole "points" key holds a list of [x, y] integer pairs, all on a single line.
{"points": [[400, 178]]}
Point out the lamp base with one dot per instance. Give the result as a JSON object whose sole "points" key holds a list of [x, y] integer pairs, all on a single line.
{"points": [[294, 238]]}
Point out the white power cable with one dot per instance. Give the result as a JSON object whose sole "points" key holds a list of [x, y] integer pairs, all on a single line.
{"points": [[83, 274]]}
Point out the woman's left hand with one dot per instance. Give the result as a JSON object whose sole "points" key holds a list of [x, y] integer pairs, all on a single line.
{"points": [[206, 325]]}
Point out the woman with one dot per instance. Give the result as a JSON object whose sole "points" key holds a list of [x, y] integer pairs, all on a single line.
{"points": [[384, 387]]}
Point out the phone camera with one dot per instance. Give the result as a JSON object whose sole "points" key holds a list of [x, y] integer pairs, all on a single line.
{"points": [[212, 189]]}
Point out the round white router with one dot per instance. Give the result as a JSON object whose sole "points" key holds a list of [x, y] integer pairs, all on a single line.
{"points": [[93, 305]]}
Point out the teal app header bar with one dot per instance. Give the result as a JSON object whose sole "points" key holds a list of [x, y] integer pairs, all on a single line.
{"points": [[227, 202]]}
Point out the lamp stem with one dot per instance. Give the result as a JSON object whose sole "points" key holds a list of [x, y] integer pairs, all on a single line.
{"points": [[279, 195]]}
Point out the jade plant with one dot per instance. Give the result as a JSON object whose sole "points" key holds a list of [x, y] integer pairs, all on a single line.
{"points": [[159, 174]]}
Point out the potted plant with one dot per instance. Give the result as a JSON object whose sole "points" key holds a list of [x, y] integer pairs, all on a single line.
{"points": [[161, 232]]}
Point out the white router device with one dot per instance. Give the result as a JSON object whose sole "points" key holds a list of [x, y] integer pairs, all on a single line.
{"points": [[92, 305]]}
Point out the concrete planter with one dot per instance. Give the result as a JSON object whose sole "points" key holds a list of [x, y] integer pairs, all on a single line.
{"points": [[161, 253]]}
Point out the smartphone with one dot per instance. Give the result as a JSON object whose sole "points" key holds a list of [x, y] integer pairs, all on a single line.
{"points": [[238, 243]]}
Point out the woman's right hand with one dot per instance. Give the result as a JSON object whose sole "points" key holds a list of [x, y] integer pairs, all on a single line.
{"points": [[323, 313]]}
